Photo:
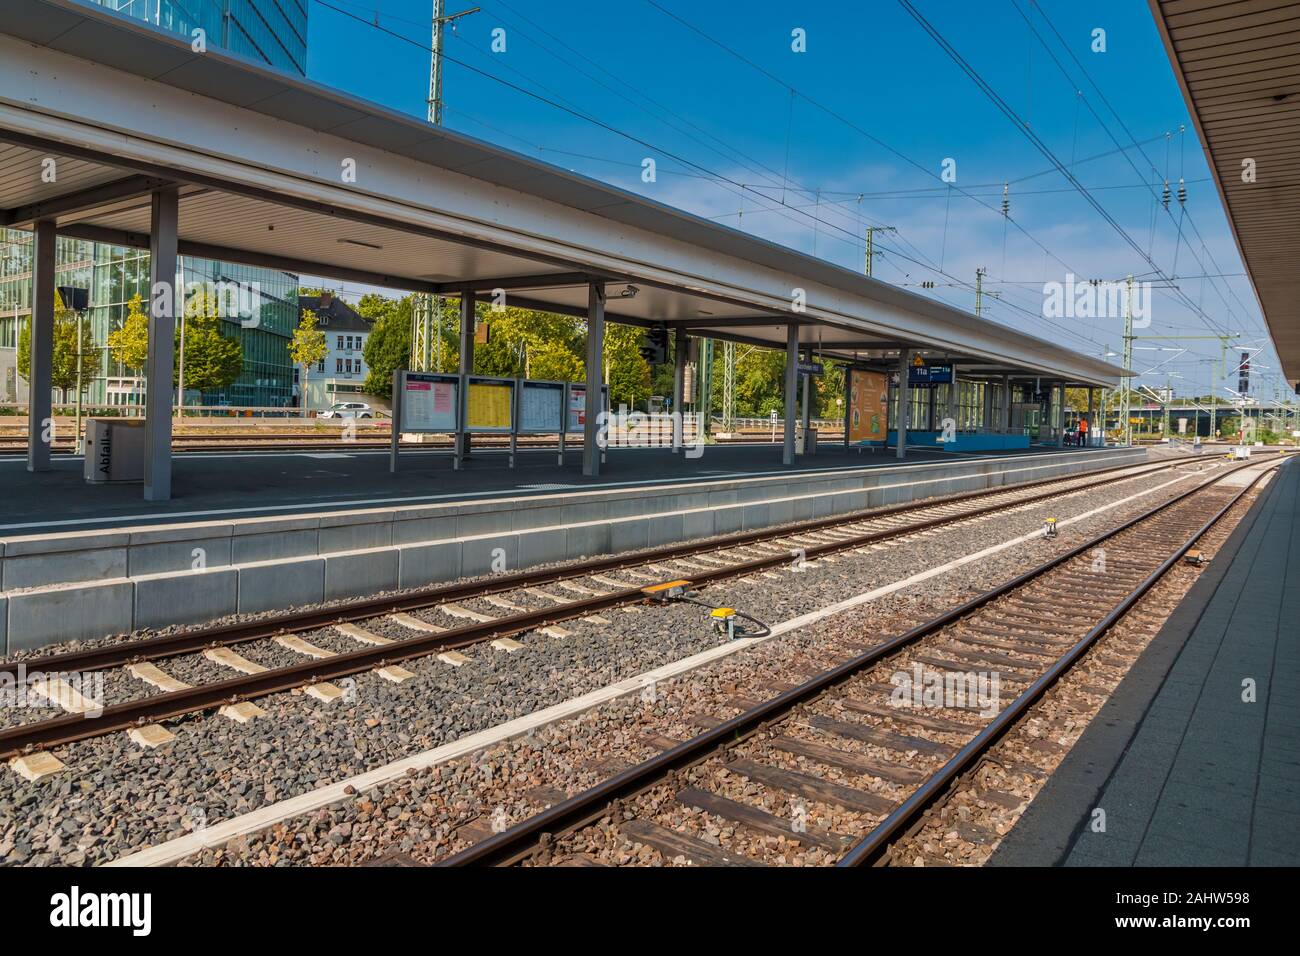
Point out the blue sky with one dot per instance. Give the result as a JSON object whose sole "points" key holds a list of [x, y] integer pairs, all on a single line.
{"points": [[705, 89]]}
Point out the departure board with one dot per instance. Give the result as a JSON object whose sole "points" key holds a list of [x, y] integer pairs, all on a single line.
{"points": [[541, 407], [428, 402], [491, 405]]}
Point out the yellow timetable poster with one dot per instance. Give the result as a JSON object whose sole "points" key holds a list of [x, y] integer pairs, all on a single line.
{"points": [[489, 406], [868, 406]]}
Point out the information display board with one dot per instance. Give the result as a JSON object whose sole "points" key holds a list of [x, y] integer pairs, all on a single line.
{"points": [[576, 405], [541, 407], [428, 402], [868, 406], [490, 405], [921, 375]]}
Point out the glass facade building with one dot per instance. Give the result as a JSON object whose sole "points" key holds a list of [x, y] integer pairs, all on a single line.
{"points": [[272, 32], [114, 274]]}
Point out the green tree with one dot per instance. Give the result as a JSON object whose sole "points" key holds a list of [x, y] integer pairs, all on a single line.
{"points": [[129, 344], [1076, 399], [63, 370], [829, 392], [760, 383], [626, 371], [522, 343], [307, 348], [388, 347], [529, 344], [212, 360]]}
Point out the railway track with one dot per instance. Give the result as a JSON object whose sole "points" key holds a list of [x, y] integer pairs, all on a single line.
{"points": [[841, 766], [380, 634]]}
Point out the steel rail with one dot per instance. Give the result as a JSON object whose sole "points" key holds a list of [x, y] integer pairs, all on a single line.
{"points": [[70, 728], [537, 832], [201, 638], [910, 810]]}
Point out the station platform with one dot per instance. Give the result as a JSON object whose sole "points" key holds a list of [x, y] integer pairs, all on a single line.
{"points": [[1188, 772], [260, 532], [209, 486]]}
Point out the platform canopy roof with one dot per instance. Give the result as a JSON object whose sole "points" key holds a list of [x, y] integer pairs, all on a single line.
{"points": [[1238, 63], [259, 156]]}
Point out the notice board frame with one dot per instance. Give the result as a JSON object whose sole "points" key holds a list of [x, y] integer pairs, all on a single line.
{"points": [[399, 392], [553, 385]]}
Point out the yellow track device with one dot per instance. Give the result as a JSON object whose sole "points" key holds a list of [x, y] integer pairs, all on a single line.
{"points": [[1049, 528], [724, 621], [667, 591]]}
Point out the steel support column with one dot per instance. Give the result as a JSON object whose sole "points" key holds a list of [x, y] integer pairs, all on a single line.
{"points": [[1060, 415], [954, 394], [1006, 404], [900, 424], [791, 387], [680, 347], [40, 419], [806, 399], [595, 364], [466, 358], [165, 301]]}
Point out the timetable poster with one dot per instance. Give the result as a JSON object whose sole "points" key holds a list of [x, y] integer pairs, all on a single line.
{"points": [[577, 407], [428, 405], [868, 406], [489, 406], [541, 407]]}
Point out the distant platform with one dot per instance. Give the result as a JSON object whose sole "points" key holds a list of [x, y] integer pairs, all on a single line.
{"points": [[1187, 772], [220, 486], [257, 532]]}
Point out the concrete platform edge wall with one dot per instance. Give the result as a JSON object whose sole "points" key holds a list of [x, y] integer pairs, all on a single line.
{"points": [[266, 564]]}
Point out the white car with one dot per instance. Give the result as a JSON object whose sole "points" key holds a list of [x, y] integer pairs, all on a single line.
{"points": [[348, 410]]}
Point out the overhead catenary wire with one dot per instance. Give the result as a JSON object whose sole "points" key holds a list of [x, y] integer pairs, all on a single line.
{"points": [[1037, 142], [923, 261], [739, 188], [1124, 126], [1184, 213]]}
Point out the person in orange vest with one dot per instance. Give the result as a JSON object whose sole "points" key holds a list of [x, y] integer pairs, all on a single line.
{"points": [[1083, 433]]}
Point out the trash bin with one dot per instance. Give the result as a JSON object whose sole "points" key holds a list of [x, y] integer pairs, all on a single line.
{"points": [[114, 450], [805, 442]]}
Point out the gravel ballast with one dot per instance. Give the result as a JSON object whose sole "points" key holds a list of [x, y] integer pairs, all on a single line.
{"points": [[116, 798]]}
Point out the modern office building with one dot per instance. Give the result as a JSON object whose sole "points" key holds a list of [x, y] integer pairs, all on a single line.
{"points": [[113, 275], [273, 32]]}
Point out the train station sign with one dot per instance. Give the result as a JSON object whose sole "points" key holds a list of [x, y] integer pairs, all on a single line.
{"points": [[929, 375]]}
